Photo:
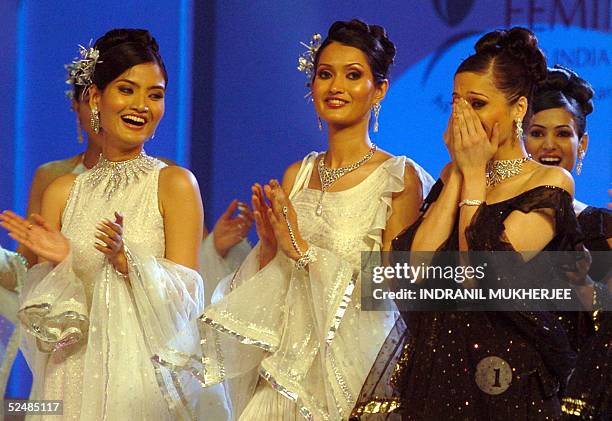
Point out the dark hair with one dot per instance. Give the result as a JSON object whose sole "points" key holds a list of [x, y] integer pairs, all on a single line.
{"points": [[121, 49], [371, 39], [563, 88], [516, 62]]}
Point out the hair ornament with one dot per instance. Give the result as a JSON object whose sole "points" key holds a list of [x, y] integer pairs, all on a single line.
{"points": [[81, 70], [306, 61]]}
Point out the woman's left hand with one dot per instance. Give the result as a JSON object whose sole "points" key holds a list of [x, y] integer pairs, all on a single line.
{"points": [[111, 236], [472, 147], [282, 215]]}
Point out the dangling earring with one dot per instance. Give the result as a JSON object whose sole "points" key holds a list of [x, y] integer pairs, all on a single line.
{"points": [[376, 110], [152, 136], [519, 128], [580, 158], [319, 123], [95, 120], [79, 131]]}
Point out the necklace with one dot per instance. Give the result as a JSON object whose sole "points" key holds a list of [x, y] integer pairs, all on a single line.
{"points": [[329, 176], [498, 171], [120, 173]]}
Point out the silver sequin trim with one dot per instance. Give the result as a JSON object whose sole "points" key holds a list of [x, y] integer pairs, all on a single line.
{"points": [[241, 338], [119, 174]]}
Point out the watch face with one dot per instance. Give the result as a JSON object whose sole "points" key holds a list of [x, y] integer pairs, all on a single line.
{"points": [[493, 375]]}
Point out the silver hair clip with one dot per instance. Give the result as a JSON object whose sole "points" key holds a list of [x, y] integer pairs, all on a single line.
{"points": [[81, 70], [306, 61]]}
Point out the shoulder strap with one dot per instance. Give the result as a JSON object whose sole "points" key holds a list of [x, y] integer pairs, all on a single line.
{"points": [[304, 173]]}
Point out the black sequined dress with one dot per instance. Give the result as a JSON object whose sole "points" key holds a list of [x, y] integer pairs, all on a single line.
{"points": [[589, 393], [481, 365]]}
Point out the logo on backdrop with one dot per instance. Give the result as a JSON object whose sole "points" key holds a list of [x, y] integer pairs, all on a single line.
{"points": [[453, 12], [538, 16]]}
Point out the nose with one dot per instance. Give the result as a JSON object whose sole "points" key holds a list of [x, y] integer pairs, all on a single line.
{"points": [[549, 142], [140, 104], [337, 85]]}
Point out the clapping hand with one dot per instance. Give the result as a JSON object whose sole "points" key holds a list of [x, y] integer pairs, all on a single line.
{"points": [[230, 230], [38, 235], [268, 245], [110, 236], [283, 219]]}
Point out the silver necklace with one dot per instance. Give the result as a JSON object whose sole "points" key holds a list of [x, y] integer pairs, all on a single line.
{"points": [[499, 170], [329, 176], [120, 173]]}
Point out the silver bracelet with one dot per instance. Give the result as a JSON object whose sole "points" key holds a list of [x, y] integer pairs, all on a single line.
{"points": [[305, 258], [470, 202]]}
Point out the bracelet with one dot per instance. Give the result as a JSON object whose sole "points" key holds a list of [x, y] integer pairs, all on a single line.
{"points": [[305, 258], [470, 202]]}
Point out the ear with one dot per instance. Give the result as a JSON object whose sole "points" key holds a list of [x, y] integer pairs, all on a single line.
{"points": [[94, 95], [381, 91], [583, 144], [520, 108]]}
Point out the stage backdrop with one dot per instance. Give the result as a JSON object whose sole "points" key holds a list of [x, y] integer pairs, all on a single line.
{"points": [[235, 109]]}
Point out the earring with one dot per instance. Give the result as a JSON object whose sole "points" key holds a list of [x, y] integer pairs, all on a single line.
{"points": [[95, 120], [319, 123], [580, 158], [376, 110], [153, 136], [519, 129], [79, 131]]}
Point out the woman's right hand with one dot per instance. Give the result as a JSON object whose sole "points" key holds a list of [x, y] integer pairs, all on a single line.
{"points": [[37, 235], [268, 244]]}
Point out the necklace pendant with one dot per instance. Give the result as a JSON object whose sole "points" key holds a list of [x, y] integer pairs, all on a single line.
{"points": [[319, 210]]}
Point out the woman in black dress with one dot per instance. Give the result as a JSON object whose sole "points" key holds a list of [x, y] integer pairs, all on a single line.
{"points": [[557, 136], [491, 196]]}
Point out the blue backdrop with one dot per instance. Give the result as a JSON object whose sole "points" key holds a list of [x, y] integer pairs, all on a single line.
{"points": [[235, 111]]}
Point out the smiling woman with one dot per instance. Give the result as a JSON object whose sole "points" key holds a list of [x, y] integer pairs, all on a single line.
{"points": [[117, 248], [281, 322]]}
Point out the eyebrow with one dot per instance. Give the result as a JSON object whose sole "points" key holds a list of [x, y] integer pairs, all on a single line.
{"points": [[135, 84], [562, 126], [346, 65]]}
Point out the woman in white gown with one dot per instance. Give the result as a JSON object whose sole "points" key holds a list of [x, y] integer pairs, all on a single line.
{"points": [[95, 311], [291, 341]]}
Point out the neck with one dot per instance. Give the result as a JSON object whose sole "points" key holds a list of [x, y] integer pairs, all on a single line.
{"points": [[116, 154], [347, 145], [91, 155], [510, 149]]}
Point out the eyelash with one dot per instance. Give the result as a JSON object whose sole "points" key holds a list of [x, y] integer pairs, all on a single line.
{"points": [[326, 74], [478, 104]]}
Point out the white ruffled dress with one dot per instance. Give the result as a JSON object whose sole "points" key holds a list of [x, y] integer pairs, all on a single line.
{"points": [[90, 332], [291, 344]]}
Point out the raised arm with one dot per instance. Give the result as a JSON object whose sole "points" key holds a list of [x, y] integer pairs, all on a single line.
{"points": [[181, 207]]}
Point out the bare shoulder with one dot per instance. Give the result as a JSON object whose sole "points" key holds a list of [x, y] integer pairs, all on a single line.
{"points": [[176, 180], [290, 175], [50, 171], [552, 176], [59, 189]]}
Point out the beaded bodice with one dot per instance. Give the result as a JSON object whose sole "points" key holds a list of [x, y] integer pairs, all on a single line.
{"points": [[90, 202]]}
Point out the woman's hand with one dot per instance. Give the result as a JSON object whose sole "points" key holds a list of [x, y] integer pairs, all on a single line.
{"points": [[472, 148], [110, 235], [229, 230], [37, 235], [282, 215], [268, 245]]}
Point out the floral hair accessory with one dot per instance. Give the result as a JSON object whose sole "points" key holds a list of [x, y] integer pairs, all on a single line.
{"points": [[81, 70], [306, 61]]}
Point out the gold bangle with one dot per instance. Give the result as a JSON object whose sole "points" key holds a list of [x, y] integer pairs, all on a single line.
{"points": [[470, 202]]}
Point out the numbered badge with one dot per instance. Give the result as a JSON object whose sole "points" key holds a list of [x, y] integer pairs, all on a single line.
{"points": [[493, 375]]}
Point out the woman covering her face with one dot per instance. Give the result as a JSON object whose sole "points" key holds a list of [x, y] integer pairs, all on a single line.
{"points": [[291, 316], [492, 196], [117, 248]]}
